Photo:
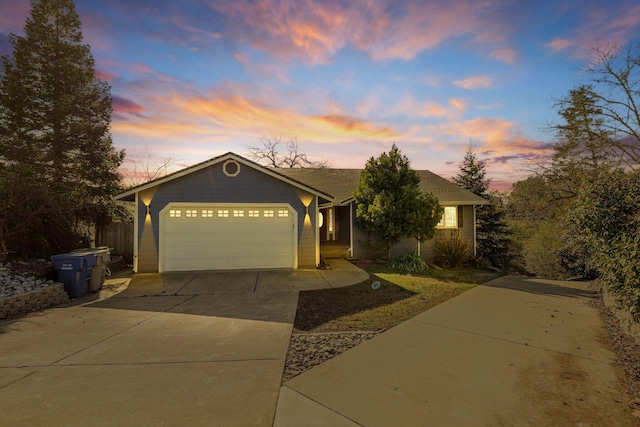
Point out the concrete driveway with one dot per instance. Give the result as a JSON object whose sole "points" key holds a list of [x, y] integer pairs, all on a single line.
{"points": [[172, 349], [515, 351]]}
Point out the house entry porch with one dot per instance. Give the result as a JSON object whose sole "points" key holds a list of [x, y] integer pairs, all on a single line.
{"points": [[335, 233]]}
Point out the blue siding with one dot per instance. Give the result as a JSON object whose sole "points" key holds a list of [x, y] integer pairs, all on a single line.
{"points": [[211, 185]]}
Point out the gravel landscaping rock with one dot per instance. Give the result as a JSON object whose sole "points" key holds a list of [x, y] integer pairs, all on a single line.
{"points": [[21, 277], [309, 350]]}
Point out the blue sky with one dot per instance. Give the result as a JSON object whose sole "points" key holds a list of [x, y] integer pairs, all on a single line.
{"points": [[195, 79]]}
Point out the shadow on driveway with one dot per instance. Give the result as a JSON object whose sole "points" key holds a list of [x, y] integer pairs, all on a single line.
{"points": [[272, 307], [543, 287]]}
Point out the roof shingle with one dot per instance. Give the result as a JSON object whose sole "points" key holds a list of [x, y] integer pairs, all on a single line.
{"points": [[341, 183]]}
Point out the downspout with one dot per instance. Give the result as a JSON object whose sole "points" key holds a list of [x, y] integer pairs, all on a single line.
{"points": [[136, 222], [351, 250], [316, 229], [474, 231]]}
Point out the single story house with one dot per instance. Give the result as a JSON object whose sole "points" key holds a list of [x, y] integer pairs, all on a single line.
{"points": [[231, 213]]}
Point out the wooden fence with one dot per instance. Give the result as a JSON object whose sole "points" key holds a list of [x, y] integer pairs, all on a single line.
{"points": [[119, 237]]}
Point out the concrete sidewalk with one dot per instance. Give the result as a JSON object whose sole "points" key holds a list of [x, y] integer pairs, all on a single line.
{"points": [[513, 352]]}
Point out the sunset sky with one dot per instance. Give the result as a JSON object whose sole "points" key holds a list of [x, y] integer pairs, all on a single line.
{"points": [[194, 79]]}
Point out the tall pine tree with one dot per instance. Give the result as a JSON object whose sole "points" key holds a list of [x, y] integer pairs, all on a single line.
{"points": [[55, 117], [492, 231]]}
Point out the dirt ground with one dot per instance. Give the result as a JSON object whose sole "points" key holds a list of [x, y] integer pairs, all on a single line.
{"points": [[628, 354]]}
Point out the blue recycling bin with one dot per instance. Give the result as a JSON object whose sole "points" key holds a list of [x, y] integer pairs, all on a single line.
{"points": [[74, 272]]}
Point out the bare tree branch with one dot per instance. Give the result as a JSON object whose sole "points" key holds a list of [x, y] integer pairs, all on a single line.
{"points": [[268, 153], [616, 93], [148, 169]]}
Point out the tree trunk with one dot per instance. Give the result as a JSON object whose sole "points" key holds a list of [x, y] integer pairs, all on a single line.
{"points": [[4, 251]]}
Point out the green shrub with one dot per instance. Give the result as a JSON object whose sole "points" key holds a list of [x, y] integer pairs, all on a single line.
{"points": [[408, 263], [451, 252], [539, 252], [375, 249], [607, 212], [620, 267]]}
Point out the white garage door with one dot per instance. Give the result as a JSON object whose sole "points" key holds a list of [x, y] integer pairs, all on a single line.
{"points": [[214, 237]]}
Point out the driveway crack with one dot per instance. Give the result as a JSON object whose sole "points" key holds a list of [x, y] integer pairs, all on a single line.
{"points": [[56, 362], [19, 379], [185, 285]]}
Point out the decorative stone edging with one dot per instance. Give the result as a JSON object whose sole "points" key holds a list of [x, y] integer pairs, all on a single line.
{"points": [[32, 301]]}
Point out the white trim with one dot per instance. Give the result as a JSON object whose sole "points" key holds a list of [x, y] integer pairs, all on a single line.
{"points": [[351, 208], [173, 205], [316, 231], [443, 219], [223, 158], [475, 240], [136, 225], [224, 168], [443, 202]]}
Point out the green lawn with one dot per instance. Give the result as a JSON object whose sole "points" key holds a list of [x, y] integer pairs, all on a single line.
{"points": [[399, 298]]}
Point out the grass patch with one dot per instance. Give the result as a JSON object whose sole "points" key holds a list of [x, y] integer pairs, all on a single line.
{"points": [[399, 298]]}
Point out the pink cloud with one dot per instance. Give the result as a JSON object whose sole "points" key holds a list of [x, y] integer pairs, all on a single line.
{"points": [[226, 113], [601, 23], [241, 58], [471, 83], [352, 125], [410, 107], [495, 135], [506, 54], [561, 44], [458, 104], [14, 15], [105, 75], [124, 105], [314, 32]]}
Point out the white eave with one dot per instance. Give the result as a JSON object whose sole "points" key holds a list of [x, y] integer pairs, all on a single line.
{"points": [[229, 156]]}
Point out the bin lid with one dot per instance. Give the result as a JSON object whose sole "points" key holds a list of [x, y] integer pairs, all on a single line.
{"points": [[73, 261], [93, 251]]}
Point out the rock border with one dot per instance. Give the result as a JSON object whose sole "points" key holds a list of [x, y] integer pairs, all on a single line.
{"points": [[308, 350], [34, 300]]}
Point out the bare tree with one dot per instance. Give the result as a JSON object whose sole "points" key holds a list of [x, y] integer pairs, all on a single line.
{"points": [[147, 169], [268, 153], [611, 104]]}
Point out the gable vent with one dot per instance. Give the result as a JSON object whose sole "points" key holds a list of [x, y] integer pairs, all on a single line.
{"points": [[231, 168]]}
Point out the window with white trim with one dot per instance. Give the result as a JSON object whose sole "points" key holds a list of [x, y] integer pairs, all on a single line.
{"points": [[449, 217], [268, 213], [223, 213], [283, 213], [207, 213], [191, 213], [238, 213], [330, 220], [254, 213], [175, 213]]}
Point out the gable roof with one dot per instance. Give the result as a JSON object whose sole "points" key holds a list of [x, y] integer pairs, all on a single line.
{"points": [[129, 195], [343, 182]]}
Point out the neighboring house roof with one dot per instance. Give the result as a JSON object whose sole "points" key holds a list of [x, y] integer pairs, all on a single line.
{"points": [[129, 195], [343, 182]]}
